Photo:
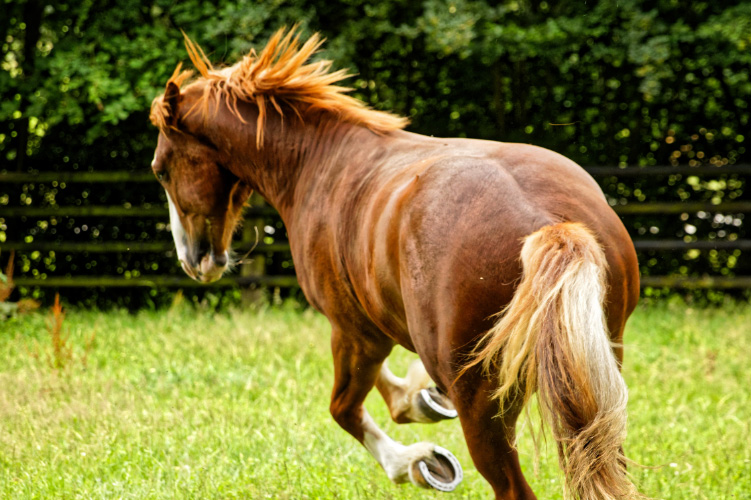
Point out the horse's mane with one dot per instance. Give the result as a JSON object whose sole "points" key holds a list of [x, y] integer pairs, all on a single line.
{"points": [[281, 75]]}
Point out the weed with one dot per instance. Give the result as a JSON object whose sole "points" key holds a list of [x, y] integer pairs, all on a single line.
{"points": [[62, 352], [6, 280], [59, 355], [10, 309]]}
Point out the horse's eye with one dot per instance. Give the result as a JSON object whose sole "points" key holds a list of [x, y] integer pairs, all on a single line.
{"points": [[161, 175]]}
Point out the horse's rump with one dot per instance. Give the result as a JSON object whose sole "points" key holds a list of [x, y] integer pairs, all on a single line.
{"points": [[552, 339]]}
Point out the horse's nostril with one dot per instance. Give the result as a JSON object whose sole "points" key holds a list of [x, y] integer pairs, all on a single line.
{"points": [[220, 260], [191, 261]]}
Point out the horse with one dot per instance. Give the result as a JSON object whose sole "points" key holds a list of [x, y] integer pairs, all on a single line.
{"points": [[501, 265]]}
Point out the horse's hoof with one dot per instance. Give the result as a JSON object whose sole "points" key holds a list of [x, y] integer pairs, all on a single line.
{"points": [[440, 470], [435, 405]]}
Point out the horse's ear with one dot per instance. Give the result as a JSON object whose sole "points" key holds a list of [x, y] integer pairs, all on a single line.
{"points": [[172, 99]]}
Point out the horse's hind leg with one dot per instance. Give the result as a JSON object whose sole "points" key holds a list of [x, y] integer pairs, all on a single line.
{"points": [[490, 438], [357, 363], [413, 398]]}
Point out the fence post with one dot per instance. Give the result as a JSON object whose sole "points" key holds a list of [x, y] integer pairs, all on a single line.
{"points": [[255, 263]]}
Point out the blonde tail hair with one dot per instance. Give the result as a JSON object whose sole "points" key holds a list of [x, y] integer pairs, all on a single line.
{"points": [[552, 338]]}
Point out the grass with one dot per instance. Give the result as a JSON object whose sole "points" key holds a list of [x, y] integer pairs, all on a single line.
{"points": [[189, 404]]}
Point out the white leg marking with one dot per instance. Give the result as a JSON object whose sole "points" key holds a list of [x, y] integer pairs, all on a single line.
{"points": [[406, 391], [417, 377], [394, 457], [398, 392]]}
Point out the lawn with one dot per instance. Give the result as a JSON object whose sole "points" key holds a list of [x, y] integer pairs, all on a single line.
{"points": [[190, 404]]}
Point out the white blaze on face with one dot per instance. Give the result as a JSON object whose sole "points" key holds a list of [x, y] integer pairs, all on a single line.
{"points": [[178, 232]]}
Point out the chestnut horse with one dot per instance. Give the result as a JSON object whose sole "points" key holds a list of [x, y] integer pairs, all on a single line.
{"points": [[501, 265]]}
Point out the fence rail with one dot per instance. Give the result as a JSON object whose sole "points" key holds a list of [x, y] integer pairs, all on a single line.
{"points": [[166, 246], [149, 210], [657, 171], [124, 246], [147, 176], [257, 275], [686, 282], [159, 280], [77, 177], [157, 211], [690, 282]]}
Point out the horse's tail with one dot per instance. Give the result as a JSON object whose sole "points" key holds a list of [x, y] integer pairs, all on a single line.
{"points": [[553, 338]]}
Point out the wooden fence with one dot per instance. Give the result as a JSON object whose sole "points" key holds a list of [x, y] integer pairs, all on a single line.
{"points": [[255, 272]]}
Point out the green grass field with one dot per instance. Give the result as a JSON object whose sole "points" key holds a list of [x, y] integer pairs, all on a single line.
{"points": [[190, 404]]}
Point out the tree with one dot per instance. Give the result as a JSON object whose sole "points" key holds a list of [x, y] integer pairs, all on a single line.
{"points": [[625, 83]]}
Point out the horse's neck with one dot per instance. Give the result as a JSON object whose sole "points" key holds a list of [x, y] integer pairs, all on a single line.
{"points": [[294, 157]]}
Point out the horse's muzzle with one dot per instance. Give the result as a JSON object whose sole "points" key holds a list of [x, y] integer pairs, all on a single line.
{"points": [[206, 268]]}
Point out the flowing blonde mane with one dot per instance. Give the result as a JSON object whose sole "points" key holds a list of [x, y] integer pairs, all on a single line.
{"points": [[281, 75]]}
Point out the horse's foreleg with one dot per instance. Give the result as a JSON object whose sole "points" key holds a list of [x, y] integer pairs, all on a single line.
{"points": [[412, 399], [357, 365]]}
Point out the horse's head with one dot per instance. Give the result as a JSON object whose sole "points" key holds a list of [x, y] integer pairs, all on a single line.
{"points": [[205, 198]]}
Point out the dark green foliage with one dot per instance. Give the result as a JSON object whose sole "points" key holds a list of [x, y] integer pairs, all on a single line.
{"points": [[605, 83]]}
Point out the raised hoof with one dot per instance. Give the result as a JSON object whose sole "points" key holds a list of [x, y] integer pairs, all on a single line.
{"points": [[435, 405], [440, 471]]}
